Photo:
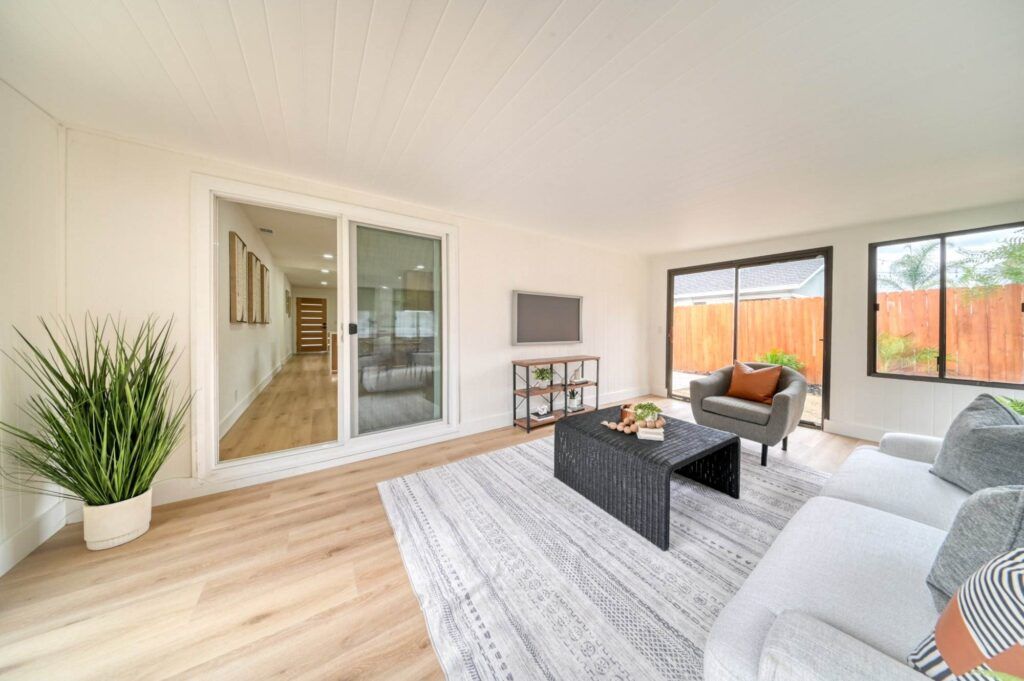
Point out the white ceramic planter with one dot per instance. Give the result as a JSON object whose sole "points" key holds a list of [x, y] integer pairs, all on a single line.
{"points": [[111, 525]]}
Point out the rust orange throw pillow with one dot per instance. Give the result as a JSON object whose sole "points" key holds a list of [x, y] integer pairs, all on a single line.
{"points": [[756, 385]]}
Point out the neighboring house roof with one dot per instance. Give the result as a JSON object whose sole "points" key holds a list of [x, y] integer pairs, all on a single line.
{"points": [[782, 276]]}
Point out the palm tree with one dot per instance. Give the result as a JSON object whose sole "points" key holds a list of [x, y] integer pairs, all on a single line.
{"points": [[914, 270], [998, 266]]}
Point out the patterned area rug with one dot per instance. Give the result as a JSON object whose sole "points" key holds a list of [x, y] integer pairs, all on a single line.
{"points": [[520, 577]]}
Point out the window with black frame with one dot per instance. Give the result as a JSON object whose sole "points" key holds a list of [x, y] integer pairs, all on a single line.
{"points": [[949, 307]]}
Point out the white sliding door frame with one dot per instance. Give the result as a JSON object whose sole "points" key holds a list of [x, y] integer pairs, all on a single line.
{"points": [[206, 467]]}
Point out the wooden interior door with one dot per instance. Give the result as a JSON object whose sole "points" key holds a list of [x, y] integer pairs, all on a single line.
{"points": [[311, 325]]}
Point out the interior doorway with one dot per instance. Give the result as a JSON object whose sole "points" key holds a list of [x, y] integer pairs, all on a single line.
{"points": [[772, 309]]}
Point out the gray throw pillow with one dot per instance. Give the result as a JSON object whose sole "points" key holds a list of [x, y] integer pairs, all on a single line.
{"points": [[984, 447], [988, 524]]}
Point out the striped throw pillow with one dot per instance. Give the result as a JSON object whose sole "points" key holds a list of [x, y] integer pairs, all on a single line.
{"points": [[980, 634]]}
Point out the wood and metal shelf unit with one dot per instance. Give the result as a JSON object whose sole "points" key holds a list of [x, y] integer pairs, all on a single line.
{"points": [[523, 392]]}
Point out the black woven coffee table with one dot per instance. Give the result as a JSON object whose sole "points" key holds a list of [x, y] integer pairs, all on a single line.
{"points": [[629, 477]]}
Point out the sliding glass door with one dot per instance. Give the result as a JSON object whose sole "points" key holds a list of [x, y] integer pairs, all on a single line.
{"points": [[772, 309], [702, 325], [398, 364]]}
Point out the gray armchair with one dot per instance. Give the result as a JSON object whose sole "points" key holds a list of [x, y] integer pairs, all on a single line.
{"points": [[765, 423]]}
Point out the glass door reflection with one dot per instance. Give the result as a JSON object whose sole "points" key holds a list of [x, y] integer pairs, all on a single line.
{"points": [[398, 377]]}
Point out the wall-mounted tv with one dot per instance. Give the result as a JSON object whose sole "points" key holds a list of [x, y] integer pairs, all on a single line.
{"points": [[546, 318]]}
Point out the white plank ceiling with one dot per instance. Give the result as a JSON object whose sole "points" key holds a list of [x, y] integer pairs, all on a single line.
{"points": [[647, 126]]}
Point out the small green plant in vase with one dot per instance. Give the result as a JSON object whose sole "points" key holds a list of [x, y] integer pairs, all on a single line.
{"points": [[574, 400], [542, 376], [647, 413]]}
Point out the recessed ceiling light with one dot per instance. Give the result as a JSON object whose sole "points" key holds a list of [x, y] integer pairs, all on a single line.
{"points": [[325, 271], [323, 283], [383, 286], [329, 256], [421, 267]]}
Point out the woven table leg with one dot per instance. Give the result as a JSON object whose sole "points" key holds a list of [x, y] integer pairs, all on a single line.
{"points": [[634, 491], [719, 470]]}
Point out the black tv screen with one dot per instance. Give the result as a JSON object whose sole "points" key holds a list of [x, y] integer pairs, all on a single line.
{"points": [[546, 318]]}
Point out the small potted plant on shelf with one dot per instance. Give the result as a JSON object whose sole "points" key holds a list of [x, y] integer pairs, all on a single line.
{"points": [[102, 423], [574, 400], [542, 377]]}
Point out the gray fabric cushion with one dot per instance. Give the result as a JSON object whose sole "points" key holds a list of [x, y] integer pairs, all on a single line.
{"points": [[984, 447], [734, 407], [897, 485], [803, 648], [856, 568], [909, 446], [989, 523]]}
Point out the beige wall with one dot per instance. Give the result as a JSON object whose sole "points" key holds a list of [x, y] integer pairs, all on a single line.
{"points": [[248, 354], [31, 285], [128, 244], [862, 406]]}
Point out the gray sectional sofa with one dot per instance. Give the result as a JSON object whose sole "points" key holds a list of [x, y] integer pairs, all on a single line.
{"points": [[842, 593]]}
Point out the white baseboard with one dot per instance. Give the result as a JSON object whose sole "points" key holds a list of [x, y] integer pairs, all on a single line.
{"points": [[179, 489], [243, 404], [25, 540], [856, 430]]}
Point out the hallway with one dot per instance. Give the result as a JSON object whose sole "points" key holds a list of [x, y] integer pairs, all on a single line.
{"points": [[298, 408]]}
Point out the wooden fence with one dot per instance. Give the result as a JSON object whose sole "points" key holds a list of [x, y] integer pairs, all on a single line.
{"points": [[702, 334], [985, 339], [985, 330]]}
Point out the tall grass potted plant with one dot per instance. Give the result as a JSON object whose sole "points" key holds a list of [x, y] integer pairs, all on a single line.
{"points": [[102, 422]]}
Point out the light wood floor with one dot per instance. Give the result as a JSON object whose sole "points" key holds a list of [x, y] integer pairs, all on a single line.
{"points": [[295, 579], [299, 407]]}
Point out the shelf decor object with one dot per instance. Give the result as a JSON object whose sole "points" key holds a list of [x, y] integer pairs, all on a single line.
{"points": [[254, 286], [265, 294], [237, 279], [526, 397]]}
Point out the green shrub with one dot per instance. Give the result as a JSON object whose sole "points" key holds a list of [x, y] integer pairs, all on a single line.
{"points": [[103, 420], [1014, 404], [776, 356], [900, 353]]}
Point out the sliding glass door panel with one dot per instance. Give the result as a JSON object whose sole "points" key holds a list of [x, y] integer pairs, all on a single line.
{"points": [[397, 381], [276, 336], [781, 320], [702, 326]]}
